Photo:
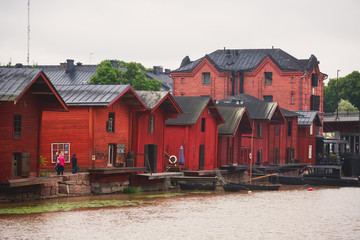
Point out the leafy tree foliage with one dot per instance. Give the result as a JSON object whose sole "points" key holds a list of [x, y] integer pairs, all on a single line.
{"points": [[349, 89], [346, 106], [135, 75]]}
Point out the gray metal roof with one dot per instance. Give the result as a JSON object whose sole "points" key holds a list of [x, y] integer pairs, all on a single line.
{"points": [[249, 60], [288, 113], [232, 117], [192, 108], [13, 81], [257, 109], [306, 118], [90, 95], [165, 79]]}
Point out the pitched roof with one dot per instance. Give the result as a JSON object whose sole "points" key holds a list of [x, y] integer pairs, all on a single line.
{"points": [[153, 99], [306, 118], [13, 82], [257, 109], [249, 60], [165, 79], [288, 113], [192, 108], [96, 95], [232, 117]]}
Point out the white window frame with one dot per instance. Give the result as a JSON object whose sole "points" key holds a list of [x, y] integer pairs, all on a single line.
{"points": [[310, 151], [66, 155]]}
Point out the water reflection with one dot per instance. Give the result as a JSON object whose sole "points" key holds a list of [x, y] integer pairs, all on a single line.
{"points": [[326, 213]]}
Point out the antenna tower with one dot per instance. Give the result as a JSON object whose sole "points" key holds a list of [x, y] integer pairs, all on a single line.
{"points": [[28, 37]]}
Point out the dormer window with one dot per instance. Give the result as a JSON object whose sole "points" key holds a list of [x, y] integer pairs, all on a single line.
{"points": [[268, 78], [206, 78]]}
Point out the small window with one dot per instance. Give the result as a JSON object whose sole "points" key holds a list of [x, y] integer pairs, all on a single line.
{"points": [[292, 98], [292, 79], [206, 78], [259, 160], [151, 123], [268, 78], [111, 123], [314, 80], [259, 130], [310, 151], [311, 129], [277, 130], [182, 80], [58, 148], [17, 126], [289, 129], [268, 98], [203, 121]]}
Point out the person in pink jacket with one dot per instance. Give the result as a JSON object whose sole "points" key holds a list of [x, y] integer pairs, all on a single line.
{"points": [[61, 164]]}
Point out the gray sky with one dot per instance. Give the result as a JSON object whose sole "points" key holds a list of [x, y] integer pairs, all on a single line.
{"points": [[163, 32]]}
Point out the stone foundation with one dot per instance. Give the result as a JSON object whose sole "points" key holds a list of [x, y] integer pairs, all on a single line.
{"points": [[109, 187], [75, 185]]}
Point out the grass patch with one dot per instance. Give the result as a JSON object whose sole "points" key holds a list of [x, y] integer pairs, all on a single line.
{"points": [[131, 190], [68, 206]]}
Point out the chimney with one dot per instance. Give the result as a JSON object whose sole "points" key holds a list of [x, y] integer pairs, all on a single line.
{"points": [[114, 63], [70, 65], [18, 65], [167, 71], [78, 64], [161, 69], [156, 70]]}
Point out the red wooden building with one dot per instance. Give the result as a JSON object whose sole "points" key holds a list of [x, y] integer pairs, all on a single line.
{"points": [[196, 130], [273, 134], [269, 74], [307, 122], [97, 127], [237, 123], [149, 127], [25, 95]]}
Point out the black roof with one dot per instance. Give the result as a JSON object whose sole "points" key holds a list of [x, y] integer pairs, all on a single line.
{"points": [[192, 108], [288, 113], [306, 118], [13, 81], [257, 109], [249, 60], [232, 117]]}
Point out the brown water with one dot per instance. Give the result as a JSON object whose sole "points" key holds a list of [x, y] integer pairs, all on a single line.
{"points": [[325, 213]]}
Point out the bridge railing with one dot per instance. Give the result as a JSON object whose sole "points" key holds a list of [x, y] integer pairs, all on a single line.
{"points": [[342, 114]]}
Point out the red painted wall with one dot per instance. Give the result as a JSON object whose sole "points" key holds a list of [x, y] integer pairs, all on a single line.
{"points": [[85, 129], [191, 137], [304, 141], [30, 109]]}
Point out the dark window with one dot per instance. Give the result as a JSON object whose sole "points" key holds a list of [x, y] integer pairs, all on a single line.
{"points": [[268, 78], [110, 125], [203, 121], [259, 160], [268, 98], [315, 102], [206, 78], [292, 98], [276, 155], [182, 80], [259, 130], [17, 126], [314, 80], [151, 123], [289, 129], [277, 130], [202, 157]]}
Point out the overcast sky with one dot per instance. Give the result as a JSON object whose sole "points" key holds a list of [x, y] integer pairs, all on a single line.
{"points": [[163, 32]]}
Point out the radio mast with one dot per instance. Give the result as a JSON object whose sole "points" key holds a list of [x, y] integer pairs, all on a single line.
{"points": [[28, 35]]}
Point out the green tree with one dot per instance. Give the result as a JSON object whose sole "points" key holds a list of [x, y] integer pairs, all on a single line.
{"points": [[346, 106], [349, 89], [135, 75]]}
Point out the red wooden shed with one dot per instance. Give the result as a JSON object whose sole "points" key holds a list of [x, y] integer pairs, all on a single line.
{"points": [[24, 96], [149, 127], [196, 130], [237, 122], [97, 127]]}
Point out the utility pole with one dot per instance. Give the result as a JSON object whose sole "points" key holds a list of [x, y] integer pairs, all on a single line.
{"points": [[28, 37], [337, 95]]}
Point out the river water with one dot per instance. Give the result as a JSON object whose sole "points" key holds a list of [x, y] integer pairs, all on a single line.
{"points": [[291, 213]]}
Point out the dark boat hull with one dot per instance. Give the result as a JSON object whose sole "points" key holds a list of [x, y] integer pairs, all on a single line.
{"points": [[197, 186], [314, 181], [235, 187]]}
